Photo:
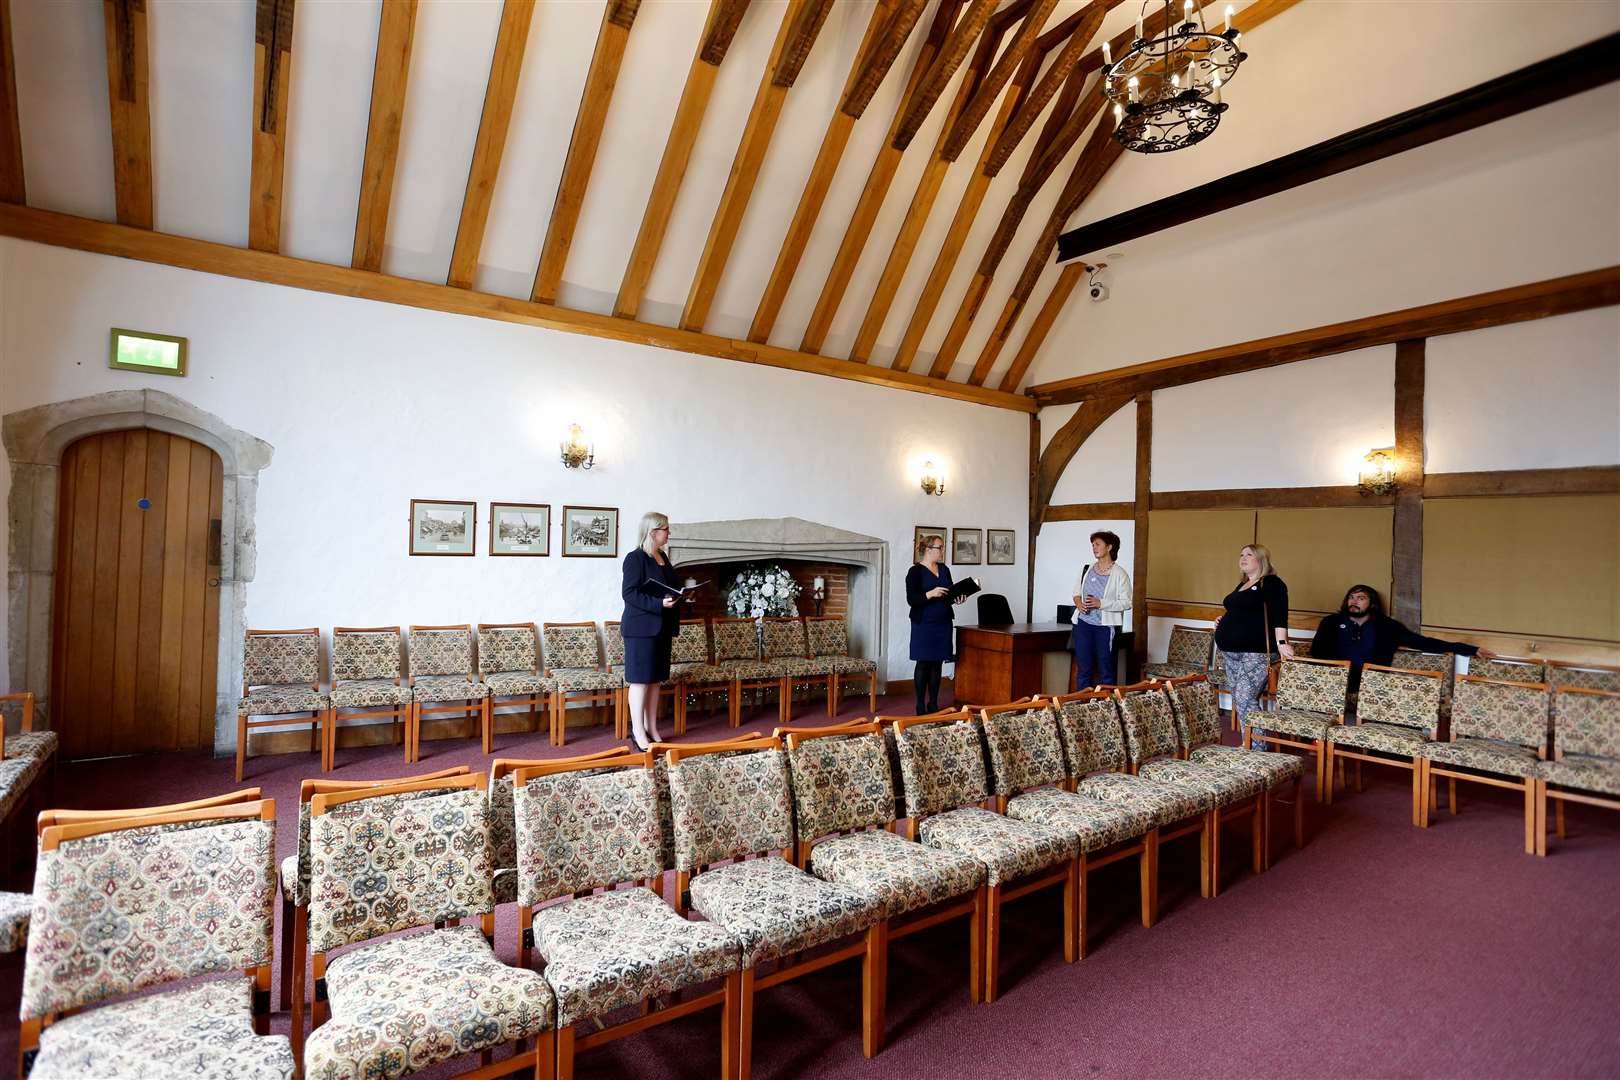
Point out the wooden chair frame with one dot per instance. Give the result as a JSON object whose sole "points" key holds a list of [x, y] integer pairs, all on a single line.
{"points": [[537, 703], [1314, 747], [399, 714], [836, 679], [472, 708], [792, 683], [544, 1054], [872, 946], [782, 683], [570, 1042], [1066, 875], [1417, 765], [76, 825], [614, 697], [621, 707], [1425, 797], [320, 736], [1577, 665], [1560, 796]]}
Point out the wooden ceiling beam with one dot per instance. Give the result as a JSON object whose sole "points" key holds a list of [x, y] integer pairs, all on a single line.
{"points": [[951, 55], [618, 17], [1066, 440], [12, 188], [873, 61], [272, 75], [505, 65], [801, 23], [392, 68], [955, 136], [725, 16], [127, 78], [1058, 76]]}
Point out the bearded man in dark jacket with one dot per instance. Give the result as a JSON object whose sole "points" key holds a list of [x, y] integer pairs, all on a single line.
{"points": [[1362, 634]]}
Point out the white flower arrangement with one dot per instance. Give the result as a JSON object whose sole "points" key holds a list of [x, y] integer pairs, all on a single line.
{"points": [[762, 589]]}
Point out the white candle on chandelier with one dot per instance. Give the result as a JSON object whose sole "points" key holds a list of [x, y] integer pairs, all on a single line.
{"points": [[1216, 82], [1186, 10], [1119, 115], [1189, 76], [1133, 86], [1107, 58], [1175, 81], [1228, 18], [1139, 32]]}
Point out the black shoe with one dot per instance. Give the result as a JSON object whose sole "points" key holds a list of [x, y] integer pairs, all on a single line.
{"points": [[640, 748]]}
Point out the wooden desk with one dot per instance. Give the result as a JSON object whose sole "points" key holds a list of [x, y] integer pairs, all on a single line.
{"points": [[997, 664]]}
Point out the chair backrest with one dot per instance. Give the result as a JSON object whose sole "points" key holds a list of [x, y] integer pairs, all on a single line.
{"points": [[1088, 724], [1300, 645], [308, 789], [1508, 669], [941, 762], [195, 895], [1313, 685], [365, 652], [1190, 645], [585, 824], [829, 635], [994, 610], [508, 647], [441, 650], [1198, 711], [735, 639], [1217, 669], [613, 644], [729, 800], [1025, 750], [380, 864], [47, 818], [1408, 698], [1508, 711], [281, 657], [1150, 722], [1580, 673], [572, 646], [660, 768], [784, 637], [691, 645], [502, 822], [1413, 660], [1586, 721], [841, 779]]}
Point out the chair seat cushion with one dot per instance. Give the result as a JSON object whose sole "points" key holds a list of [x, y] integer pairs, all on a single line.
{"points": [[1389, 738], [752, 669], [31, 744], [448, 688], [1171, 669], [294, 888], [573, 680], [897, 873], [200, 1032], [624, 946], [843, 665], [696, 674], [1584, 773], [1277, 769], [506, 683], [405, 1003], [795, 667], [16, 774], [1165, 803], [270, 700], [362, 692], [1093, 823], [1487, 755], [773, 908], [15, 909], [1300, 723], [1008, 849], [1226, 786]]}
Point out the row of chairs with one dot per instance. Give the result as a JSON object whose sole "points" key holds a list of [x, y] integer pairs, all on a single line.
{"points": [[1558, 743], [27, 775], [378, 674]]}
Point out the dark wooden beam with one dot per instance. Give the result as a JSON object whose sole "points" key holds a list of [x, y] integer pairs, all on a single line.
{"points": [[392, 67], [1034, 513], [1139, 543], [11, 162], [1263, 498], [1576, 71], [874, 63], [1096, 511], [1558, 296], [272, 75], [1406, 601], [1590, 480], [1067, 439], [127, 74]]}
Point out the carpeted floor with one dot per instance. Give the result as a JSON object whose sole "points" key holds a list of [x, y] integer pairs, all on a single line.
{"points": [[1377, 950]]}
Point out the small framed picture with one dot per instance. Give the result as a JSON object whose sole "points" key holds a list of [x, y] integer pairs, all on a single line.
{"points": [[590, 532], [967, 547], [155, 354], [1001, 547], [441, 527], [519, 528], [920, 531]]}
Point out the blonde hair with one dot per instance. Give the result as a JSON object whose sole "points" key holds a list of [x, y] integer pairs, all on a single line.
{"points": [[924, 542], [651, 520], [1262, 553]]}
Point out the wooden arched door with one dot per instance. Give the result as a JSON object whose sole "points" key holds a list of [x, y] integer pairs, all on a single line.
{"points": [[135, 624]]}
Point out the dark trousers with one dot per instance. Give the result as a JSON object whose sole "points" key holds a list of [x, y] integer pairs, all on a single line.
{"points": [[926, 679], [1093, 654]]}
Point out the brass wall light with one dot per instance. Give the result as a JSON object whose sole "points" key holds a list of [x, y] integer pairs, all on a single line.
{"points": [[1378, 472], [932, 479], [576, 452]]}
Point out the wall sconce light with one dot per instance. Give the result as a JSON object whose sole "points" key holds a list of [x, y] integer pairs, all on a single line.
{"points": [[932, 480], [818, 592], [576, 452], [1378, 472]]}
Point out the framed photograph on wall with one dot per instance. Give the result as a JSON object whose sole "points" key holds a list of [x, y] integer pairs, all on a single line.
{"points": [[519, 528], [590, 532], [1001, 547], [967, 547], [441, 527], [919, 531]]}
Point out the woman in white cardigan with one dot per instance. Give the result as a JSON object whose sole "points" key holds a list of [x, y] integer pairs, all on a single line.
{"points": [[1102, 596]]}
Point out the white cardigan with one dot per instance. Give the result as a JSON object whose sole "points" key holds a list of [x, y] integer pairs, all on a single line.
{"points": [[1116, 598]]}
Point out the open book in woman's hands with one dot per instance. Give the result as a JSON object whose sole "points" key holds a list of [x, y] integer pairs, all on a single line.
{"points": [[964, 589], [673, 591]]}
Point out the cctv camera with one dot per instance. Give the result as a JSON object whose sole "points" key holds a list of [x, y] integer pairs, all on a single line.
{"points": [[1099, 293]]}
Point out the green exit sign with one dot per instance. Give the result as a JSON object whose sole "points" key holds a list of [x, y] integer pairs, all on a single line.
{"points": [[157, 354]]}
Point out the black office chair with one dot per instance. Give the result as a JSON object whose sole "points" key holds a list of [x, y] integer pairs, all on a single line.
{"points": [[1065, 613], [994, 610]]}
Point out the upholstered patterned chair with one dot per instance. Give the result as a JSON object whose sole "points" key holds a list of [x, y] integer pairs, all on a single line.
{"points": [[1499, 737], [503, 823], [946, 785], [1397, 713], [15, 908], [27, 761], [367, 682], [1561, 673], [281, 678], [574, 663], [592, 823], [1310, 699], [1508, 669], [1444, 663], [443, 682], [784, 644], [736, 653], [843, 796], [1026, 766], [380, 864], [690, 671], [1188, 653], [829, 654], [613, 653], [1586, 755], [731, 801], [509, 664], [196, 897]]}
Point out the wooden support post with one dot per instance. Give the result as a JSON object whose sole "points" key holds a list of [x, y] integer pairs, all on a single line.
{"points": [[1139, 560], [1406, 603]]}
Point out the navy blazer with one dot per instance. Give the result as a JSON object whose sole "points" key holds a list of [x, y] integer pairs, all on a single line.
{"points": [[644, 612]]}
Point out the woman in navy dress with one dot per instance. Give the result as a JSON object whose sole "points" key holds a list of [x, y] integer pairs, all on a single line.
{"points": [[649, 624], [928, 588]]}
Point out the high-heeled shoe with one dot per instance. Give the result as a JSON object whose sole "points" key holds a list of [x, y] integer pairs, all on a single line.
{"points": [[641, 748]]}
